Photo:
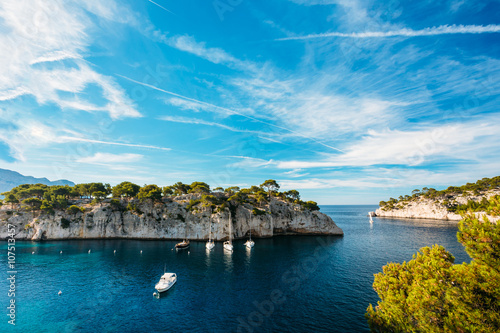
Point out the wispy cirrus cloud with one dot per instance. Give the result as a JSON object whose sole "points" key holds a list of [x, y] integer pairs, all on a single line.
{"points": [[433, 31], [108, 158], [462, 141], [196, 121], [65, 138], [43, 47], [233, 112]]}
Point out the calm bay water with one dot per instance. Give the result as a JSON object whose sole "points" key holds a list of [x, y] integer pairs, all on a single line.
{"points": [[284, 284]]}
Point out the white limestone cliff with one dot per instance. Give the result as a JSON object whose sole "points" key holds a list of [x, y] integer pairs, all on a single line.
{"points": [[167, 220], [425, 208]]}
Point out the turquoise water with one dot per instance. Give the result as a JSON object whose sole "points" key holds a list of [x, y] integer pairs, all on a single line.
{"points": [[284, 284]]}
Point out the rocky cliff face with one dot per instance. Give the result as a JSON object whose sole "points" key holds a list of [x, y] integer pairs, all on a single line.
{"points": [[167, 220], [424, 208]]}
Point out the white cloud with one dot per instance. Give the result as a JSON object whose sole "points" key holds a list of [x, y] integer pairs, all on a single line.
{"points": [[433, 31], [185, 105], [106, 158], [194, 121], [38, 32], [232, 112], [410, 148], [190, 45], [55, 56], [112, 143], [318, 183], [29, 133], [249, 163], [330, 116], [26, 133]]}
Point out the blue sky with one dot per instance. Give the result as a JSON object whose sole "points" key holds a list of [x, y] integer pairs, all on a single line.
{"points": [[348, 101]]}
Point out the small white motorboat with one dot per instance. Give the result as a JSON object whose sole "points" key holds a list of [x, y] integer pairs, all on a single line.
{"points": [[166, 282]]}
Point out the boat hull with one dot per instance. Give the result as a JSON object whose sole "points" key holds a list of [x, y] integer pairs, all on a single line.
{"points": [[162, 290], [166, 282], [228, 247], [182, 245]]}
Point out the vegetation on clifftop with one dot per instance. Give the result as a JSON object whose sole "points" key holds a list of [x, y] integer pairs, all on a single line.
{"points": [[447, 197], [47, 199]]}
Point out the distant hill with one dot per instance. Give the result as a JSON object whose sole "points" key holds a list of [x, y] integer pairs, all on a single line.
{"points": [[10, 179]]}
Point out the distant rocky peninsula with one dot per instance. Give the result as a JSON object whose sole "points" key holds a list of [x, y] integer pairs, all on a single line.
{"points": [[481, 199], [99, 211]]}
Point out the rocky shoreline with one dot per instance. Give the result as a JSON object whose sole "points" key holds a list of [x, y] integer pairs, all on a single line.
{"points": [[169, 219]]}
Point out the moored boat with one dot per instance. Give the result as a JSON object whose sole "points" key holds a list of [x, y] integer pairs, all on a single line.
{"points": [[228, 245], [250, 243], [182, 245], [166, 282], [210, 244]]}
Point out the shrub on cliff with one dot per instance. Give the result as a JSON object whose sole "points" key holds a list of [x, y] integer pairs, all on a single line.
{"points": [[33, 203], [11, 198], [431, 294], [151, 192], [133, 208], [270, 186], [125, 189], [73, 209], [58, 197], [47, 207], [116, 204], [258, 212], [99, 196], [192, 204], [311, 205], [494, 206]]}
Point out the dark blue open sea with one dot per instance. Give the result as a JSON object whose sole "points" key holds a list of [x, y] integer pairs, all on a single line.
{"points": [[285, 284]]}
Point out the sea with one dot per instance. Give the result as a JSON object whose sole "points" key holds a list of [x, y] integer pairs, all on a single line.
{"points": [[283, 284]]}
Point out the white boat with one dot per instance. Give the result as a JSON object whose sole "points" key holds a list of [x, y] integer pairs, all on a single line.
{"points": [[182, 245], [370, 214], [250, 243], [210, 244], [166, 282], [228, 245]]}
